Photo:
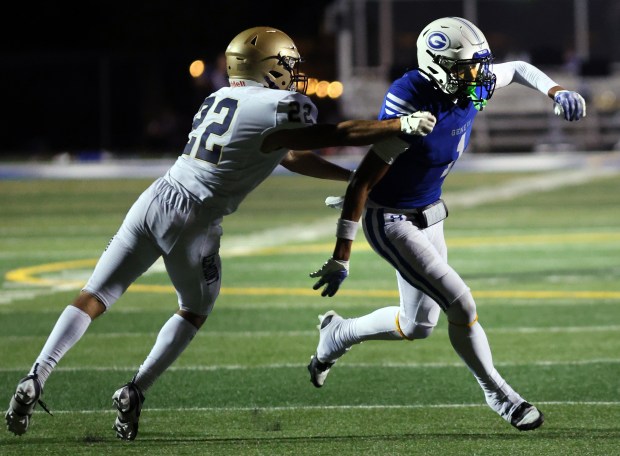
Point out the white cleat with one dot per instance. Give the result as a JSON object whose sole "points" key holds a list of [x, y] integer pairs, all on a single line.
{"points": [[318, 369]]}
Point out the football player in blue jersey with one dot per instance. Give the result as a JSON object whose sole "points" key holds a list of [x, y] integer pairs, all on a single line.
{"points": [[397, 192], [238, 137]]}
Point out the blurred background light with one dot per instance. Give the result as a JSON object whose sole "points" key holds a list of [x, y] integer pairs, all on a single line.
{"points": [[321, 89], [335, 89], [197, 68]]}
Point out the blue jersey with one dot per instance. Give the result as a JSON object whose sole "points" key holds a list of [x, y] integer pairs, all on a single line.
{"points": [[416, 176]]}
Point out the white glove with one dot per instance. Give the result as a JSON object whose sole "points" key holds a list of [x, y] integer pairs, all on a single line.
{"points": [[331, 274], [419, 123], [335, 202], [569, 104]]}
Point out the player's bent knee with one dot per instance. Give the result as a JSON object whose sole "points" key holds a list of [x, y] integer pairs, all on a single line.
{"points": [[90, 304], [463, 310], [410, 330], [194, 319]]}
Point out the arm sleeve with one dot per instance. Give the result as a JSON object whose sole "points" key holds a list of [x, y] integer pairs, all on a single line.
{"points": [[390, 148], [524, 74]]}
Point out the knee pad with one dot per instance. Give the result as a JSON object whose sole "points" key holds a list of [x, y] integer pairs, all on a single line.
{"points": [[462, 311], [411, 330]]}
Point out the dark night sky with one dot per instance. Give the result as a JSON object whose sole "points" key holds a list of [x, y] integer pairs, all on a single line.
{"points": [[151, 25], [92, 75]]}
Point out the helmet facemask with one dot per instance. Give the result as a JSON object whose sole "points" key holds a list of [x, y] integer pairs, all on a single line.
{"points": [[289, 66], [471, 79]]}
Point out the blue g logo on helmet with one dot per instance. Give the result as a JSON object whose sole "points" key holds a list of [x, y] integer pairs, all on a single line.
{"points": [[438, 41]]}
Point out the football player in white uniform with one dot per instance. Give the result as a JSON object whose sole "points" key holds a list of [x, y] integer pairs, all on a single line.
{"points": [[238, 137], [397, 188]]}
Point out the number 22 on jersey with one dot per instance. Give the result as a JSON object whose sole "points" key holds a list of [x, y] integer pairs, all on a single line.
{"points": [[210, 129]]}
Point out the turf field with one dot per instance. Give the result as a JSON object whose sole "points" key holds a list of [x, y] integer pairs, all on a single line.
{"points": [[544, 266]]}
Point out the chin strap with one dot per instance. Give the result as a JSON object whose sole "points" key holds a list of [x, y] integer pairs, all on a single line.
{"points": [[479, 104]]}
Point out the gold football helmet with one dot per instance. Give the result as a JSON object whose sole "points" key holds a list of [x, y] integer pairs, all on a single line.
{"points": [[266, 55]]}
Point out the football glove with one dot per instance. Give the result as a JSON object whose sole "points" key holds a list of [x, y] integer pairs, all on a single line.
{"points": [[569, 104], [419, 123], [331, 274], [335, 202]]}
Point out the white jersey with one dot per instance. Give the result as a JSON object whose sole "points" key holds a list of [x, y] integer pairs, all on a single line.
{"points": [[220, 165], [222, 161]]}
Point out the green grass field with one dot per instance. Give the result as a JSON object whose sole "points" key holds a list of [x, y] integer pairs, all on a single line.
{"points": [[544, 268]]}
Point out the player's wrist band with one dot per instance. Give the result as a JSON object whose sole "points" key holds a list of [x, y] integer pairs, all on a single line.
{"points": [[346, 229]]}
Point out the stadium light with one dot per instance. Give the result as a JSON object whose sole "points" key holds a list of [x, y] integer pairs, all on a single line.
{"points": [[321, 89], [324, 89], [312, 83], [197, 68], [335, 89]]}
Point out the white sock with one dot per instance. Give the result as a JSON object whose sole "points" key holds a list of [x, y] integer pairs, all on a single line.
{"points": [[69, 328], [472, 346], [377, 325], [173, 338]]}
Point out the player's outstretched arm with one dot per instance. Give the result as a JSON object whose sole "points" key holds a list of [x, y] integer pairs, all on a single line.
{"points": [[308, 163], [568, 103], [349, 133]]}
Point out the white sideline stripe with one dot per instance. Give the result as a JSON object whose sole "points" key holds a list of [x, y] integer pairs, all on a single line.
{"points": [[243, 245], [527, 185], [335, 407], [247, 244], [239, 367]]}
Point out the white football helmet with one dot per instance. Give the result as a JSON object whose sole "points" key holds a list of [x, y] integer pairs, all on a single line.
{"points": [[266, 55], [455, 54]]}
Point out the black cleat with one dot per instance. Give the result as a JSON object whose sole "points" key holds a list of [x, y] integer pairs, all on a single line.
{"points": [[526, 417], [128, 401]]}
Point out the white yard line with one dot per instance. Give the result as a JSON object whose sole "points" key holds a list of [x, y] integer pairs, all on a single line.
{"points": [[336, 407], [343, 365]]}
